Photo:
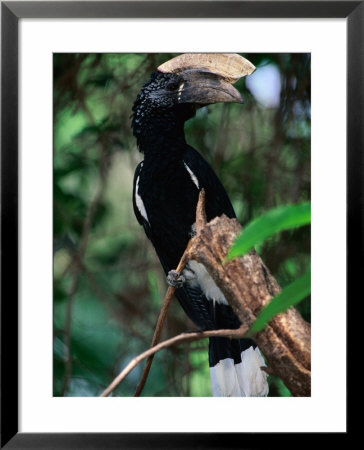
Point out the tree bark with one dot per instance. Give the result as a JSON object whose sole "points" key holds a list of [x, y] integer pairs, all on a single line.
{"points": [[248, 286]]}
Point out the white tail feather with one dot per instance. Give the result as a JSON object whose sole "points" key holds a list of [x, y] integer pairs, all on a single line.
{"points": [[245, 379]]}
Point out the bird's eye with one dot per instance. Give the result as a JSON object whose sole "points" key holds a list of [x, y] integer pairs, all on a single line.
{"points": [[172, 86]]}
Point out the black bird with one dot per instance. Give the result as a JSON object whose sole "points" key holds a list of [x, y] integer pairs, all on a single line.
{"points": [[165, 195]]}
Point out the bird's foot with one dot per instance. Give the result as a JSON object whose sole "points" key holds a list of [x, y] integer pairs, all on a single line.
{"points": [[175, 279]]}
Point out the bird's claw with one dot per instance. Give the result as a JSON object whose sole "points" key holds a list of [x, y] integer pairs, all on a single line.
{"points": [[175, 279]]}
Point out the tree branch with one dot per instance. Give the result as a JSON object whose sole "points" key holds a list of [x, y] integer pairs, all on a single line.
{"points": [[183, 337], [248, 286]]}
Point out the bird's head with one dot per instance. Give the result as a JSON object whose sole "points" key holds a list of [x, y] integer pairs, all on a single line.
{"points": [[185, 83]]}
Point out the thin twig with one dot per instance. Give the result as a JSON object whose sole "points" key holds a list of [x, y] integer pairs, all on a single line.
{"points": [[183, 337], [200, 223], [162, 315]]}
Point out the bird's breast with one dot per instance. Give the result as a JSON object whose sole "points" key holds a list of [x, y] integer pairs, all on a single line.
{"points": [[167, 195]]}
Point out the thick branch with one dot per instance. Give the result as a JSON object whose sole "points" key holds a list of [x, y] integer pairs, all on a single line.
{"points": [[248, 285]]}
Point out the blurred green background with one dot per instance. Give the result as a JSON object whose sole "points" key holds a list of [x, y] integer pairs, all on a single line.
{"points": [[108, 284]]}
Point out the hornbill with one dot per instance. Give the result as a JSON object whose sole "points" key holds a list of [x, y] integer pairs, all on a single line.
{"points": [[165, 194]]}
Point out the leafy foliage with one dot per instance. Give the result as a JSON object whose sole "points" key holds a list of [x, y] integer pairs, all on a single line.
{"points": [[260, 229], [108, 284], [289, 296], [264, 226]]}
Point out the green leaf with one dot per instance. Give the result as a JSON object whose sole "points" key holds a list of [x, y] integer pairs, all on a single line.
{"points": [[274, 221], [289, 296]]}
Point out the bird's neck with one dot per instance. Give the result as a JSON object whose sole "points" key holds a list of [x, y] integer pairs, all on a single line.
{"points": [[157, 138], [161, 131]]}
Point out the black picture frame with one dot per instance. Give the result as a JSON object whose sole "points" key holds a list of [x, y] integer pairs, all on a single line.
{"points": [[11, 12]]}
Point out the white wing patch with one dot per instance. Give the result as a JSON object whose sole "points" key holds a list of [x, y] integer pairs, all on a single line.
{"points": [[192, 175], [139, 202], [196, 274]]}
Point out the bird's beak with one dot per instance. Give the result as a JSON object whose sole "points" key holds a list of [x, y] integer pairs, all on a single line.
{"points": [[205, 88], [209, 77]]}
